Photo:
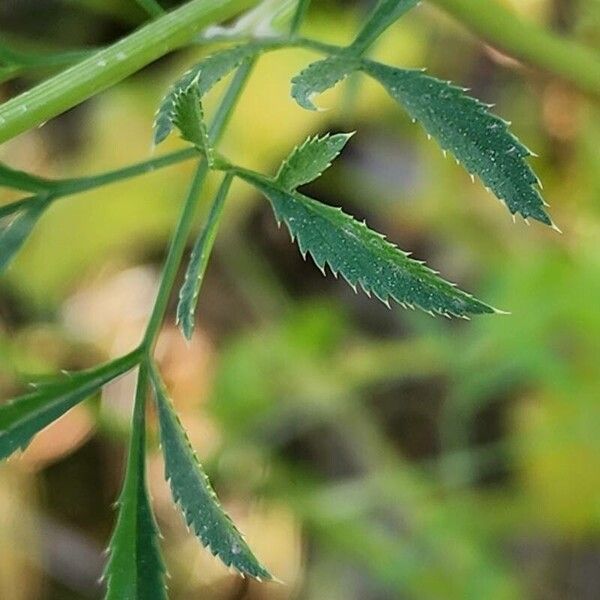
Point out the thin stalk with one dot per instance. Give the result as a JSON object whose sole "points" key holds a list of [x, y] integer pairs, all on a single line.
{"points": [[299, 15], [500, 27], [113, 64], [152, 7]]}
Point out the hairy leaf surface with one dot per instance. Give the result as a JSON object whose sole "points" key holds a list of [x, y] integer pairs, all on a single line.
{"points": [[362, 256], [203, 76], [195, 496], [135, 569], [23, 417], [308, 161], [320, 76], [194, 275], [188, 117], [464, 126]]}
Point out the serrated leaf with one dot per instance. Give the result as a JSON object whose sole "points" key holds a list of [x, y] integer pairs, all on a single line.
{"points": [[188, 117], [135, 569], [23, 417], [205, 74], [382, 16], [362, 256], [194, 495], [194, 275], [463, 126], [308, 161], [320, 76], [14, 232], [20, 180]]}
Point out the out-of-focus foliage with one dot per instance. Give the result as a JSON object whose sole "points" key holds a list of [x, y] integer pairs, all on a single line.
{"points": [[367, 453]]}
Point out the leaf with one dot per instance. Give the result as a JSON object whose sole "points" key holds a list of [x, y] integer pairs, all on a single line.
{"points": [[188, 117], [14, 233], [193, 493], [194, 275], [383, 15], [203, 76], [361, 255], [464, 126], [320, 76], [23, 417], [308, 161], [20, 180], [135, 569]]}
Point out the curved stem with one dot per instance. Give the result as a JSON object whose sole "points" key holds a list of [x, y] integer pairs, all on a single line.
{"points": [[113, 64], [299, 15], [567, 59]]}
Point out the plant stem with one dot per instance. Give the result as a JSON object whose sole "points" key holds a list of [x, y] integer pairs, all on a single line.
{"points": [[152, 7], [113, 64], [567, 59], [299, 15]]}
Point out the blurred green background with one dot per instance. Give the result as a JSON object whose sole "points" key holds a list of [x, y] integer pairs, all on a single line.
{"points": [[367, 453]]}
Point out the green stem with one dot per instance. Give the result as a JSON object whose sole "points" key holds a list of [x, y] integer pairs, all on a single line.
{"points": [[113, 64], [499, 26], [152, 7], [174, 257], [299, 15]]}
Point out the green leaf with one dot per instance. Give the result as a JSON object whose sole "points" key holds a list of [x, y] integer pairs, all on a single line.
{"points": [[194, 275], [203, 77], [193, 493], [320, 76], [464, 126], [14, 232], [384, 14], [188, 117], [135, 569], [308, 161], [362, 256], [23, 417], [20, 180]]}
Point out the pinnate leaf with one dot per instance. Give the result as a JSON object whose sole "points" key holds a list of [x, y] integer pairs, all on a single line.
{"points": [[23, 417], [308, 161], [135, 569], [464, 126], [320, 76], [193, 493], [362, 256], [203, 77]]}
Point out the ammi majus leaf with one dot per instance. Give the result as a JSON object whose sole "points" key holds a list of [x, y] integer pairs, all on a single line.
{"points": [[203, 76], [308, 161], [135, 569], [195, 496], [23, 417], [362, 256], [464, 126], [20, 180]]}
